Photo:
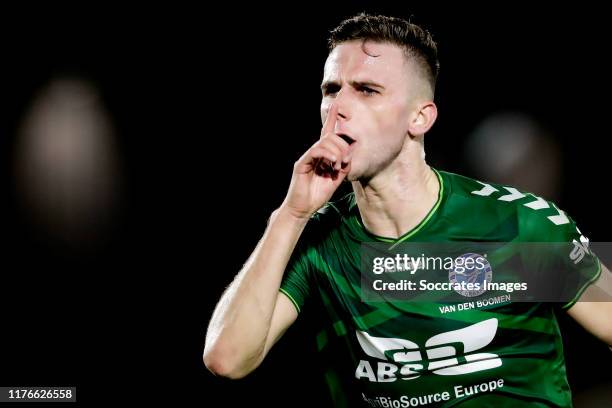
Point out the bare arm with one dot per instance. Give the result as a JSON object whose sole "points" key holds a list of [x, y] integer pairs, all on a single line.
{"points": [[252, 314], [593, 311]]}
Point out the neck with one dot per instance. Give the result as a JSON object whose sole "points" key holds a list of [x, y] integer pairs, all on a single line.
{"points": [[397, 199]]}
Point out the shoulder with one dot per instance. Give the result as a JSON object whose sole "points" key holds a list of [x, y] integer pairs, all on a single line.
{"points": [[537, 218]]}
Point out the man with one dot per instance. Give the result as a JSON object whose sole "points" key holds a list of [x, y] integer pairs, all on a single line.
{"points": [[377, 104]]}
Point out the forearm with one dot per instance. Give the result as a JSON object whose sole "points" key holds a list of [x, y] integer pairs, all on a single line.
{"points": [[237, 332], [594, 309]]}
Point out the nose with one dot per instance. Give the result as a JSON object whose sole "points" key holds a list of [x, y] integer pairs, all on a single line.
{"points": [[343, 104]]}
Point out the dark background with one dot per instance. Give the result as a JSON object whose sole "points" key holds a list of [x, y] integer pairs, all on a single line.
{"points": [[211, 107]]}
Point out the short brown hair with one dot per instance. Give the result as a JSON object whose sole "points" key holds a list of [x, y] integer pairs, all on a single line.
{"points": [[415, 40]]}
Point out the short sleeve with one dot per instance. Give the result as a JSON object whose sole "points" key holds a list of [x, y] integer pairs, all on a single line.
{"points": [[580, 265], [297, 280], [297, 283], [570, 265]]}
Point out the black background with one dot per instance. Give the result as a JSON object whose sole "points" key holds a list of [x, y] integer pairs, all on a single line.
{"points": [[212, 105]]}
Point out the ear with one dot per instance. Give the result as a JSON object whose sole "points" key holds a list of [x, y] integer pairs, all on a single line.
{"points": [[423, 118]]}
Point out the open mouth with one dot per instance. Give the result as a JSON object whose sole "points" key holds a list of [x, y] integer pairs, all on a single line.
{"points": [[347, 139]]}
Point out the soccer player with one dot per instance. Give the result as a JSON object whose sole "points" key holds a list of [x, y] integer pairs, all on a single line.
{"points": [[377, 104]]}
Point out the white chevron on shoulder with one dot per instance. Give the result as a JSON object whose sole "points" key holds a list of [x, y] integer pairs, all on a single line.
{"points": [[514, 194], [538, 204], [487, 190], [560, 218]]}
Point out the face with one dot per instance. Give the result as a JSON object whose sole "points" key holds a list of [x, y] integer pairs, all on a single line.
{"points": [[376, 95]]}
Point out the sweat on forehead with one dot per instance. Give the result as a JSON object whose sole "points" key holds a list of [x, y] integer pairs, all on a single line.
{"points": [[382, 57], [361, 51], [383, 62], [377, 58]]}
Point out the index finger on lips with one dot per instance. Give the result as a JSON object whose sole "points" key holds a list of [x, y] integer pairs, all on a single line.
{"points": [[330, 121]]}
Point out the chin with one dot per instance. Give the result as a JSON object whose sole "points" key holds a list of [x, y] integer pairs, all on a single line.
{"points": [[353, 176]]}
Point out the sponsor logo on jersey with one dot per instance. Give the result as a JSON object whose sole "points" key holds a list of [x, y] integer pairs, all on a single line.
{"points": [[580, 249], [450, 353]]}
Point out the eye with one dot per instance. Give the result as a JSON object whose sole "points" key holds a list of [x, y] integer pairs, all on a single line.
{"points": [[367, 91], [331, 89]]}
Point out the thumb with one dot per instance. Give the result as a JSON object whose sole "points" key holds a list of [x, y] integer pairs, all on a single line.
{"points": [[342, 173]]}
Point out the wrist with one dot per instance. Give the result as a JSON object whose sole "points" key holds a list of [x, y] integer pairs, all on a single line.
{"points": [[289, 215]]}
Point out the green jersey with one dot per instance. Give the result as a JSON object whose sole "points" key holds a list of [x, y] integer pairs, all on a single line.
{"points": [[407, 354]]}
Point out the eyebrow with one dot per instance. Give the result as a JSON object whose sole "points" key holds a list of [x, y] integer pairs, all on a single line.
{"points": [[355, 84]]}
